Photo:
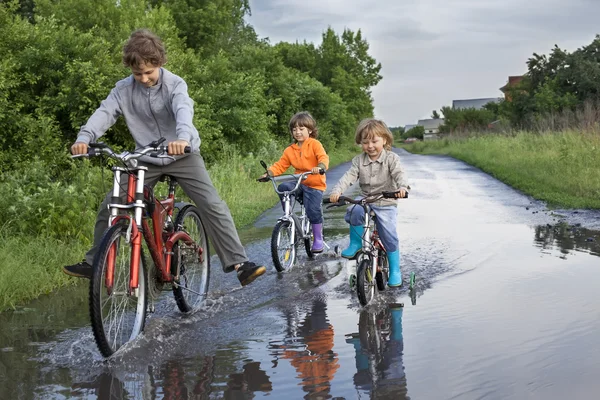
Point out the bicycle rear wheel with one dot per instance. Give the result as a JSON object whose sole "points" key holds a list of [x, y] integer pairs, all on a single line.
{"points": [[191, 262], [365, 282], [117, 316], [283, 249], [382, 276]]}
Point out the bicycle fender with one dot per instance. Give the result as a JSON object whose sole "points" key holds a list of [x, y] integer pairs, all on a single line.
{"points": [[180, 204]]}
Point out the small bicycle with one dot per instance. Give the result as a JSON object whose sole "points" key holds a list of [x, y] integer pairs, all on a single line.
{"points": [[122, 279], [373, 266], [291, 228]]}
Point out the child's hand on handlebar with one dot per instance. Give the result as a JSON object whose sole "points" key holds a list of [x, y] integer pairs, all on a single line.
{"points": [[177, 147], [263, 178], [79, 148], [402, 193], [315, 170]]}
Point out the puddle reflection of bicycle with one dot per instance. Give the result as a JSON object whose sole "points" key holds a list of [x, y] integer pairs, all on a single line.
{"points": [[379, 347]]}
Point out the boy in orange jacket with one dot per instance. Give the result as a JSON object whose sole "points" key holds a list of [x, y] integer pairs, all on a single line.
{"points": [[306, 154]]}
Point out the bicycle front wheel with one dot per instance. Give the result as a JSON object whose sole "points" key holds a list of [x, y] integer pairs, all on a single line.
{"points": [[191, 261], [117, 316], [365, 282], [309, 239], [283, 248]]}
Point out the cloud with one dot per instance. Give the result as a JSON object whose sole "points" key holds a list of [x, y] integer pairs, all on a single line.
{"points": [[434, 51]]}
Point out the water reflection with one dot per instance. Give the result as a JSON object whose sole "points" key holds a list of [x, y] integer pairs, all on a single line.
{"points": [[308, 347], [252, 379], [379, 347], [568, 238]]}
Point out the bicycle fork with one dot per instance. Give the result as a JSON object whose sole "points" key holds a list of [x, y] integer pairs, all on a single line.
{"points": [[135, 196]]}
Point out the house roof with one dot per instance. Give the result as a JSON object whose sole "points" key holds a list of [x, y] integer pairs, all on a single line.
{"points": [[431, 123], [408, 127], [512, 81], [474, 103]]}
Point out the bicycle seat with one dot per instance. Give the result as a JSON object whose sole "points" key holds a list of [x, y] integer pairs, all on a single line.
{"points": [[165, 177]]}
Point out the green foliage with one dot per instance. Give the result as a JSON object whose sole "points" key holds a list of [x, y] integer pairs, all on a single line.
{"points": [[209, 26], [341, 63], [468, 119], [398, 133], [35, 202], [554, 83], [415, 132], [61, 59]]}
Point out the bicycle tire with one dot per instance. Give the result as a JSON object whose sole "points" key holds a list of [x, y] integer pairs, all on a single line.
{"points": [[121, 317], [192, 263], [309, 240], [382, 276], [283, 256], [365, 285]]}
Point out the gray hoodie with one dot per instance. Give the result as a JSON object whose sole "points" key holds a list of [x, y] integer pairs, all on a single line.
{"points": [[163, 110]]}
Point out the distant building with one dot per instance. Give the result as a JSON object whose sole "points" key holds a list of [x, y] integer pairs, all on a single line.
{"points": [[474, 103], [408, 127], [512, 82], [431, 125]]}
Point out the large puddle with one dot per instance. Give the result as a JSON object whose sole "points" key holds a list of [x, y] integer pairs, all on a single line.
{"points": [[505, 307]]}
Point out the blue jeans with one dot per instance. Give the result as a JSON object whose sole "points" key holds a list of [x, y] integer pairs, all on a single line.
{"points": [[312, 199], [385, 221]]}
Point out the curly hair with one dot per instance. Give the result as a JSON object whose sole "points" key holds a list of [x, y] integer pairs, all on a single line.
{"points": [[144, 48]]}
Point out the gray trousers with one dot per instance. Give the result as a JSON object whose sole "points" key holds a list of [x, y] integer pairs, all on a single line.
{"points": [[192, 176]]}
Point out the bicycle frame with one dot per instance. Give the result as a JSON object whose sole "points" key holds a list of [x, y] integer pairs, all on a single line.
{"points": [[300, 223], [159, 241], [371, 246]]}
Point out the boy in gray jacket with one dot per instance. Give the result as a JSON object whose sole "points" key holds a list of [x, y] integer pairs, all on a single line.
{"points": [[155, 103]]}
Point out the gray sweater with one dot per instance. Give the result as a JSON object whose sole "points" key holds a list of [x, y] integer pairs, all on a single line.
{"points": [[163, 110]]}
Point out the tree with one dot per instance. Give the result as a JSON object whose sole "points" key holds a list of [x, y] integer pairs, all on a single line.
{"points": [[435, 115], [209, 26], [416, 132]]}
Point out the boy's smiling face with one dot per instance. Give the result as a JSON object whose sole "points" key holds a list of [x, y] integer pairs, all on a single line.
{"points": [[373, 146], [146, 74], [300, 133]]}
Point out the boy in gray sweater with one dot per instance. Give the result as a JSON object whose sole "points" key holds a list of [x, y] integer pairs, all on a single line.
{"points": [[155, 103]]}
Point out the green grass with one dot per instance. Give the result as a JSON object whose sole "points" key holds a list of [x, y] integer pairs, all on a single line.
{"points": [[32, 265], [562, 169]]}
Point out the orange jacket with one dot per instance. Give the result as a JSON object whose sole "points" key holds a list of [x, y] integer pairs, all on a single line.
{"points": [[303, 159]]}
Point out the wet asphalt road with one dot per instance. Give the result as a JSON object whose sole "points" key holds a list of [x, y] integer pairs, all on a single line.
{"points": [[506, 306]]}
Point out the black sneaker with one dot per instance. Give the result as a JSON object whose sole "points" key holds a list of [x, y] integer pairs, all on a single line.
{"points": [[80, 270], [249, 271]]}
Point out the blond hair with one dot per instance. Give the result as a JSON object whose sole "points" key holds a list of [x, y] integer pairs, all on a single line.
{"points": [[370, 128]]}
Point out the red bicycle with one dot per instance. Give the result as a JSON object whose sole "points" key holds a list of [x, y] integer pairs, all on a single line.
{"points": [[122, 279]]}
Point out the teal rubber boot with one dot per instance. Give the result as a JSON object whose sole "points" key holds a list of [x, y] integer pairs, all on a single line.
{"points": [[356, 233], [395, 278]]}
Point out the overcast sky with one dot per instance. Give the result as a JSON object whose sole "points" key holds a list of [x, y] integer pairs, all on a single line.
{"points": [[436, 51]]}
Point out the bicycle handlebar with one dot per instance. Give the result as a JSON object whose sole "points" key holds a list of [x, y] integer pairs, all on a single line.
{"points": [[153, 149], [371, 198], [286, 177], [299, 177]]}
